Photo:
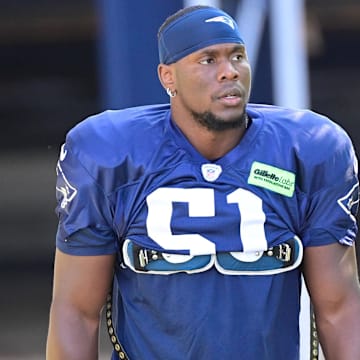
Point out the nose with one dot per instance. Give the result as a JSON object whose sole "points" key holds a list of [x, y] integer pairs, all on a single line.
{"points": [[227, 71]]}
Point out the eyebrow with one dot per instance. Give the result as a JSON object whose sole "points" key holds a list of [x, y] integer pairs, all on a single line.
{"points": [[214, 51]]}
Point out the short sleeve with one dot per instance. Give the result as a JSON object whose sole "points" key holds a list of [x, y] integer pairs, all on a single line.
{"points": [[83, 209], [332, 209]]}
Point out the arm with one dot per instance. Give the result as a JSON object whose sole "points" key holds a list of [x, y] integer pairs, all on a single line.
{"points": [[81, 284], [331, 276]]}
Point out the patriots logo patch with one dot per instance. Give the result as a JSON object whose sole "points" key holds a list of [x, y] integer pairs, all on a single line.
{"points": [[222, 19], [65, 190], [350, 202]]}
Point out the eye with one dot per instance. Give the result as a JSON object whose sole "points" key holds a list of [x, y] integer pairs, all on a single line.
{"points": [[207, 61], [238, 57]]}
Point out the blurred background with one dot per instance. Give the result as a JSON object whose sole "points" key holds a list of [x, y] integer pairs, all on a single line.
{"points": [[61, 61]]}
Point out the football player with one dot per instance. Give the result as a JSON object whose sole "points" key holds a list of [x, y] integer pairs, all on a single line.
{"points": [[201, 216]]}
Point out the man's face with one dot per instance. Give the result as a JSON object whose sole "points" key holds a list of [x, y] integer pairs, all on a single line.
{"points": [[214, 81]]}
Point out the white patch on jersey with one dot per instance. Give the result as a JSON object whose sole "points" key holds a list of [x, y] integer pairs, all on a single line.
{"points": [[67, 191], [211, 172], [224, 19]]}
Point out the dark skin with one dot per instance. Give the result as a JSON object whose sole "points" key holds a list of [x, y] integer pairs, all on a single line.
{"points": [[214, 80], [331, 276], [81, 284]]}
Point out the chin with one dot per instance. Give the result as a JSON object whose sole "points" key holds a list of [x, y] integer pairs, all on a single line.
{"points": [[219, 122]]}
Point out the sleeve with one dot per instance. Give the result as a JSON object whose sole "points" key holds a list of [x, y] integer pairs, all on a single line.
{"points": [[332, 208], [83, 209]]}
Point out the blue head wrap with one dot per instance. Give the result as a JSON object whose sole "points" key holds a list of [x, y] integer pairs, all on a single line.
{"points": [[195, 30]]}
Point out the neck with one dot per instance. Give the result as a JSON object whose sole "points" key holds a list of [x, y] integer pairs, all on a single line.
{"points": [[209, 143]]}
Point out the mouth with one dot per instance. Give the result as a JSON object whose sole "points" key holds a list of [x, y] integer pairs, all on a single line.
{"points": [[230, 97], [231, 92]]}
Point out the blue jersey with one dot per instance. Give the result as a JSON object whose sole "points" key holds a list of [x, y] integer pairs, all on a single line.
{"points": [[208, 252]]}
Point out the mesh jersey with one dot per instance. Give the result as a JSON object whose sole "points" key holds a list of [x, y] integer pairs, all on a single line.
{"points": [[131, 177]]}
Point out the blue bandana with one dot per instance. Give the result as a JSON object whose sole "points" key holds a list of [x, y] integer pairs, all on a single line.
{"points": [[194, 31]]}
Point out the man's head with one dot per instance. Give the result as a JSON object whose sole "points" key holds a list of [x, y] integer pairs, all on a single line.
{"points": [[203, 62], [194, 28]]}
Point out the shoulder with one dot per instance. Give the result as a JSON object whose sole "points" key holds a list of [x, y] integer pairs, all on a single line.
{"points": [[104, 136], [302, 119], [111, 124], [307, 143], [305, 130]]}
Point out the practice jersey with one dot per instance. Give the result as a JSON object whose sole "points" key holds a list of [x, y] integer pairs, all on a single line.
{"points": [[208, 252]]}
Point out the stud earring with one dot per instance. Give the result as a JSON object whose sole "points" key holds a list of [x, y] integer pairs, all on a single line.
{"points": [[171, 93]]}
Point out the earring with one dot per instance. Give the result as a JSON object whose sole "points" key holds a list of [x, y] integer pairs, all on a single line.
{"points": [[171, 93]]}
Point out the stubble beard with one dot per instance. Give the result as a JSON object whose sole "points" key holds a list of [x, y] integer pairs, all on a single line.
{"points": [[215, 123]]}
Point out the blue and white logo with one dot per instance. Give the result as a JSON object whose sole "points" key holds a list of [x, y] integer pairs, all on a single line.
{"points": [[211, 172], [66, 191], [223, 19], [350, 202]]}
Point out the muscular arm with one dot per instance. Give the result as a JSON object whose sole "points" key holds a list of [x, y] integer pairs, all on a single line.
{"points": [[81, 284], [331, 276]]}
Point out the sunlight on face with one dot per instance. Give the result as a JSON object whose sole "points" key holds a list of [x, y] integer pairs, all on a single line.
{"points": [[213, 86]]}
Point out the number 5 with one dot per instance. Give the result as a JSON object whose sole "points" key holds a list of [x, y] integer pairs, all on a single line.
{"points": [[202, 204]]}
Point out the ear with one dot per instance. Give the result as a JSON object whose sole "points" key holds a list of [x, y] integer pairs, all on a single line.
{"points": [[166, 75]]}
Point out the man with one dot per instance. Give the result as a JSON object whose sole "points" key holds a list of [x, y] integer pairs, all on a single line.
{"points": [[202, 215]]}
